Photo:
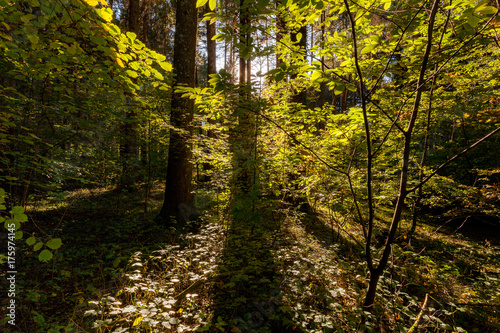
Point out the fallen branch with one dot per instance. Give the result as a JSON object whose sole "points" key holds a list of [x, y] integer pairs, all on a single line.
{"points": [[197, 284], [415, 325]]}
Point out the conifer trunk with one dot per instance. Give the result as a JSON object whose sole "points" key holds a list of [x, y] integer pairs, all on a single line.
{"points": [[179, 199]]}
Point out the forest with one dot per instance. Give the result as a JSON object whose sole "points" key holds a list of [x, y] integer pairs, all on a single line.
{"points": [[250, 166]]}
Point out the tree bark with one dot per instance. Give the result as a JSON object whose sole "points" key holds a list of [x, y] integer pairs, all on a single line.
{"points": [[211, 69], [211, 49], [280, 31], [179, 199]]}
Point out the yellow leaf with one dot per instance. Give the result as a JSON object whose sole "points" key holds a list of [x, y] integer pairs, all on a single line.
{"points": [[103, 2], [180, 310], [200, 3], [137, 321], [120, 62], [212, 4], [92, 3]]}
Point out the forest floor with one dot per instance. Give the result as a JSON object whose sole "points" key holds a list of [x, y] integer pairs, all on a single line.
{"points": [[118, 271]]}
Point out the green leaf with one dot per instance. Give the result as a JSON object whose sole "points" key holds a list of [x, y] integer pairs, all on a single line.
{"points": [[19, 235], [339, 89], [45, 255], [485, 10], [17, 210], [54, 243], [30, 241], [201, 3], [212, 4], [472, 20], [368, 48], [315, 76], [387, 4], [261, 4], [351, 87], [131, 35], [33, 39], [132, 73], [26, 18], [21, 218], [166, 66], [8, 222], [37, 246], [280, 76], [98, 40]]}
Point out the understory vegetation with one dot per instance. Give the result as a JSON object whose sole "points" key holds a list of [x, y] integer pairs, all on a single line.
{"points": [[304, 273]]}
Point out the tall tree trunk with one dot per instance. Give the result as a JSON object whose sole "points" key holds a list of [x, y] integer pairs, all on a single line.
{"points": [[179, 199], [301, 95], [134, 14], [280, 31], [145, 23], [128, 149], [242, 140], [211, 49]]}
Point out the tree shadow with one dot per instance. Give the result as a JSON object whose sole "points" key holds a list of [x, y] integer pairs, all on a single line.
{"points": [[99, 231], [460, 273], [329, 232], [478, 227]]}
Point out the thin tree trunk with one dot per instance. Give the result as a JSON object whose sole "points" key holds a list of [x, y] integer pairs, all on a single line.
{"points": [[211, 69], [376, 272], [322, 84]]}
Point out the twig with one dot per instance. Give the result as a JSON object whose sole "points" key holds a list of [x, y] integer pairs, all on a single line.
{"points": [[197, 284], [466, 150]]}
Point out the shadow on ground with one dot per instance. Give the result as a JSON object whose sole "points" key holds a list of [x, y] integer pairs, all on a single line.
{"points": [[100, 230], [247, 294]]}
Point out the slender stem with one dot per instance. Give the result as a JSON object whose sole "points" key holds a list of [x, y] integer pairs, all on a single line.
{"points": [[369, 157], [377, 272]]}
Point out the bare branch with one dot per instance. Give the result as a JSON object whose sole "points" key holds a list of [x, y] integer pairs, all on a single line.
{"points": [[463, 152]]}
